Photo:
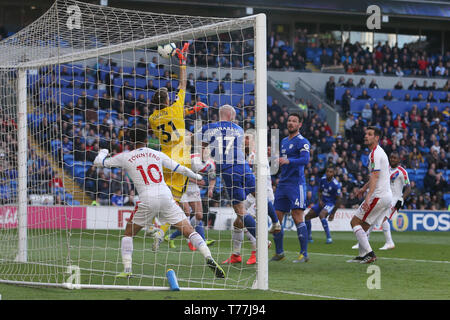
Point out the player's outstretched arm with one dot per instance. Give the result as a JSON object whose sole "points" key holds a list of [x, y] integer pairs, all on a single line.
{"points": [[182, 56], [100, 158], [176, 167]]}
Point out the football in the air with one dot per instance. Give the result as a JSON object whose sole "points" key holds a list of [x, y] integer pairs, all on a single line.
{"points": [[167, 50]]}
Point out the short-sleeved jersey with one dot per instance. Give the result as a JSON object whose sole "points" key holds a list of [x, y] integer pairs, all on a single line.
{"points": [[399, 179], [169, 127], [226, 142], [144, 166], [292, 149], [331, 190], [378, 161]]}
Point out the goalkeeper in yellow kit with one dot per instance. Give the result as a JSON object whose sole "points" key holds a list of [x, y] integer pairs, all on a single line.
{"points": [[167, 122]]}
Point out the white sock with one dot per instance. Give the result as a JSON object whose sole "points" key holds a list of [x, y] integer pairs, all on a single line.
{"points": [[200, 244], [238, 237], [127, 252], [369, 231], [251, 238], [364, 245], [387, 232]]}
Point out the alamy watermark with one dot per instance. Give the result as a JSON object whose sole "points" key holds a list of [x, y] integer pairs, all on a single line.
{"points": [[374, 280]]}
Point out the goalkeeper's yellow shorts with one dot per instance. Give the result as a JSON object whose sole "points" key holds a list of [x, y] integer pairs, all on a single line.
{"points": [[177, 184]]}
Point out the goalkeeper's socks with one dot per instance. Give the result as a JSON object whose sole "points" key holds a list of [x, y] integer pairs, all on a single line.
{"points": [[175, 234], [387, 232], [278, 239], [308, 227], [200, 244], [127, 252], [165, 227], [198, 226], [271, 212], [302, 233], [325, 227], [250, 224]]}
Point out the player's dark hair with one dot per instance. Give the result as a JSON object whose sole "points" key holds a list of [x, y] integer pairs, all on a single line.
{"points": [[295, 114], [138, 134], [159, 99], [395, 153], [376, 130]]}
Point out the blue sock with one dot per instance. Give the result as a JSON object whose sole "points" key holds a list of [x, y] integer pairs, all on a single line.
{"points": [[271, 212], [175, 234], [250, 224], [308, 227], [302, 233], [325, 227], [278, 239], [198, 226]]}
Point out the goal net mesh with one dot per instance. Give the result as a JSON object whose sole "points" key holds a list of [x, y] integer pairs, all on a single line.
{"points": [[91, 72]]}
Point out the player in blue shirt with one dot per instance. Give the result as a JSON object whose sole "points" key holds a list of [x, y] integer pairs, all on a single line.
{"points": [[329, 201], [290, 195], [225, 140]]}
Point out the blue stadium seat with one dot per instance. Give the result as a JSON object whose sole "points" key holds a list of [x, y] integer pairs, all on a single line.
{"points": [[141, 71], [156, 72], [221, 99], [421, 171], [310, 53], [447, 199], [322, 156]]}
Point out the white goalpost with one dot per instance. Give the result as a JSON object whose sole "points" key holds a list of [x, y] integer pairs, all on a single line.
{"points": [[80, 79]]}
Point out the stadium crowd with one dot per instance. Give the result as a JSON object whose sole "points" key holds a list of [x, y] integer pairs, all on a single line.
{"points": [[352, 58]]}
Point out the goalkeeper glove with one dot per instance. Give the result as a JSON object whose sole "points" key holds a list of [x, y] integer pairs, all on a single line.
{"points": [[399, 204], [182, 54], [198, 107]]}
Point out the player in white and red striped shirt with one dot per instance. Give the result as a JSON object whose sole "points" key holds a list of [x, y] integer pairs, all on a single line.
{"points": [[378, 198], [144, 166], [401, 189]]}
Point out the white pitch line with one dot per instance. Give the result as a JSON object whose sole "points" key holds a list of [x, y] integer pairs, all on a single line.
{"points": [[309, 295], [380, 258]]}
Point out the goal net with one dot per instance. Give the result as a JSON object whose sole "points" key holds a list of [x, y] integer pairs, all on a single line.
{"points": [[81, 78]]}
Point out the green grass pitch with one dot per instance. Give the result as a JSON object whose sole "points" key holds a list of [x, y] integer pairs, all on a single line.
{"points": [[417, 269]]}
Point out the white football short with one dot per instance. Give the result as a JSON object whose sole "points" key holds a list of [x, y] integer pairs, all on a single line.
{"points": [[166, 210], [192, 194], [378, 208]]}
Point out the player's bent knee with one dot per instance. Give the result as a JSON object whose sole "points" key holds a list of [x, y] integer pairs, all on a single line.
{"points": [[239, 222], [355, 222], [297, 215], [311, 214]]}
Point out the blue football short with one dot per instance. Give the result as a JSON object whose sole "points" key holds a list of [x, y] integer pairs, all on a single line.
{"points": [[289, 197]]}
